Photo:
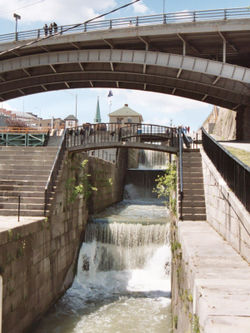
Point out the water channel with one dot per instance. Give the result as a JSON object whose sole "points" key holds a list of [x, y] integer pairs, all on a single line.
{"points": [[123, 277]]}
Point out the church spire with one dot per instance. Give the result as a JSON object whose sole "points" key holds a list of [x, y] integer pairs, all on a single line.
{"points": [[97, 114]]}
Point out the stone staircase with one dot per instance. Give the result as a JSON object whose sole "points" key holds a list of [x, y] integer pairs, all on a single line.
{"points": [[193, 203], [24, 171]]}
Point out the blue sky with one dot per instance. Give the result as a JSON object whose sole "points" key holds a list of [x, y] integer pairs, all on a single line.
{"points": [[155, 108]]}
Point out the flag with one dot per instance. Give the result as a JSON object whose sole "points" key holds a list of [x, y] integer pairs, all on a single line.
{"points": [[110, 94]]}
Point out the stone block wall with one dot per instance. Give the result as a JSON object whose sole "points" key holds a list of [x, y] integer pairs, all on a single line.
{"points": [[109, 179], [224, 211], [38, 259]]}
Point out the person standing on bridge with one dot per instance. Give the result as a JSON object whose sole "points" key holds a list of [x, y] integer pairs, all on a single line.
{"points": [[55, 27], [45, 28], [50, 29]]}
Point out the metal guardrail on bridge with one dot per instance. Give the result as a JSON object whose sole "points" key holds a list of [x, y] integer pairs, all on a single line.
{"points": [[176, 17], [235, 173], [93, 134]]}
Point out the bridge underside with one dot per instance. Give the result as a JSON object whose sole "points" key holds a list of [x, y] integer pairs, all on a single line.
{"points": [[199, 79], [136, 145], [186, 60]]}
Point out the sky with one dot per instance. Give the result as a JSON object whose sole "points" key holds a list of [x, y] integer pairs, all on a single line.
{"points": [[155, 108]]}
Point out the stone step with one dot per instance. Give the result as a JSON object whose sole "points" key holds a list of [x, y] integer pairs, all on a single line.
{"points": [[20, 188], [14, 199], [25, 177], [8, 182], [23, 212], [24, 158], [193, 210], [23, 164], [192, 180], [192, 187], [191, 158], [191, 164], [33, 194], [192, 169], [193, 192], [196, 203], [194, 217], [23, 206], [28, 171]]}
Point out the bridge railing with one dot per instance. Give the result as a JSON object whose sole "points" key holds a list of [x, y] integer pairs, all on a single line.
{"points": [[176, 17], [235, 173], [92, 134]]}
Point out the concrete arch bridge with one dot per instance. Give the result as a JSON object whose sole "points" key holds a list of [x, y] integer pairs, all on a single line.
{"points": [[202, 55], [131, 135]]}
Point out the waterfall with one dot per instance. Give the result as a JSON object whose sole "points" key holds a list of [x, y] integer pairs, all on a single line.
{"points": [[120, 246], [149, 159]]}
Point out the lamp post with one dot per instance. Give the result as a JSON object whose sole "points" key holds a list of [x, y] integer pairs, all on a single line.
{"points": [[17, 17]]}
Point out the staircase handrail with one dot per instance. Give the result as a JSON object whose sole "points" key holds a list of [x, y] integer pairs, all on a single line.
{"points": [[54, 170], [180, 133], [235, 173]]}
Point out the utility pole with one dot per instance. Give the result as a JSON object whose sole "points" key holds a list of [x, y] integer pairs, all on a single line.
{"points": [[163, 11], [17, 17]]}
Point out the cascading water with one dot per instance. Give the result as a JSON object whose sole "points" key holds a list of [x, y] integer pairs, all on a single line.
{"points": [[122, 283], [149, 159]]}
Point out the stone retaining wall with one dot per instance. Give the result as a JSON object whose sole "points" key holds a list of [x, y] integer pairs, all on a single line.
{"points": [[210, 282], [224, 211], [38, 259]]}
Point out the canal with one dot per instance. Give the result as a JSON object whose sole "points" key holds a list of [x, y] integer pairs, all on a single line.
{"points": [[123, 274]]}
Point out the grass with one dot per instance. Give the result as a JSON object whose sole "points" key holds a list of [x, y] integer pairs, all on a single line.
{"points": [[242, 155]]}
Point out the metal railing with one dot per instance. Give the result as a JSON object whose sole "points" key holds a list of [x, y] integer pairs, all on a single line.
{"points": [[234, 172], [128, 22], [91, 134], [54, 171], [180, 134]]}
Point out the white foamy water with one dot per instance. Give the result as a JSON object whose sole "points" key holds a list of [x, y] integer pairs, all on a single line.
{"points": [[123, 276]]}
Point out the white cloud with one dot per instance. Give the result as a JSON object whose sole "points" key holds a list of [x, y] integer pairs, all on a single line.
{"points": [[61, 11], [140, 8]]}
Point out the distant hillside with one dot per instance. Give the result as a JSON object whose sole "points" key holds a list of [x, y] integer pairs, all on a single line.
{"points": [[221, 123]]}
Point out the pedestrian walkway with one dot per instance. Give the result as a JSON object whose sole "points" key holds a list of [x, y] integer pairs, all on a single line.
{"points": [[11, 222], [237, 144]]}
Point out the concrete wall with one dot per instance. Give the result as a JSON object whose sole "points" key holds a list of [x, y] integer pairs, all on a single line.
{"points": [[210, 282], [37, 260], [224, 211], [102, 173]]}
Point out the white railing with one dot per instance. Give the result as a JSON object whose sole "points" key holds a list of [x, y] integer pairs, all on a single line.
{"points": [[134, 21]]}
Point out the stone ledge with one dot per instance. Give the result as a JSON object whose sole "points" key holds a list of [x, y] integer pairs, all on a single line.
{"points": [[218, 279]]}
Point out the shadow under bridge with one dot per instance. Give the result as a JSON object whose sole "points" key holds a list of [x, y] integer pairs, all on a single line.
{"points": [[130, 135]]}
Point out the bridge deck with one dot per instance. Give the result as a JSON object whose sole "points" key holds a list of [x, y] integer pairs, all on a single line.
{"points": [[108, 135]]}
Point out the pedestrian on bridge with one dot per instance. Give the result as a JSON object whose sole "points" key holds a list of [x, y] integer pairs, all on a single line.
{"points": [[50, 29], [45, 28], [55, 27]]}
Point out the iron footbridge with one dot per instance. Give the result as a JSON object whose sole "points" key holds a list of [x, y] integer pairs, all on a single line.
{"points": [[130, 135]]}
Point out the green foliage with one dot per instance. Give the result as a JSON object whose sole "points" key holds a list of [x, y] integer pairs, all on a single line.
{"points": [[83, 187], [196, 325], [175, 246], [166, 186], [175, 322]]}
